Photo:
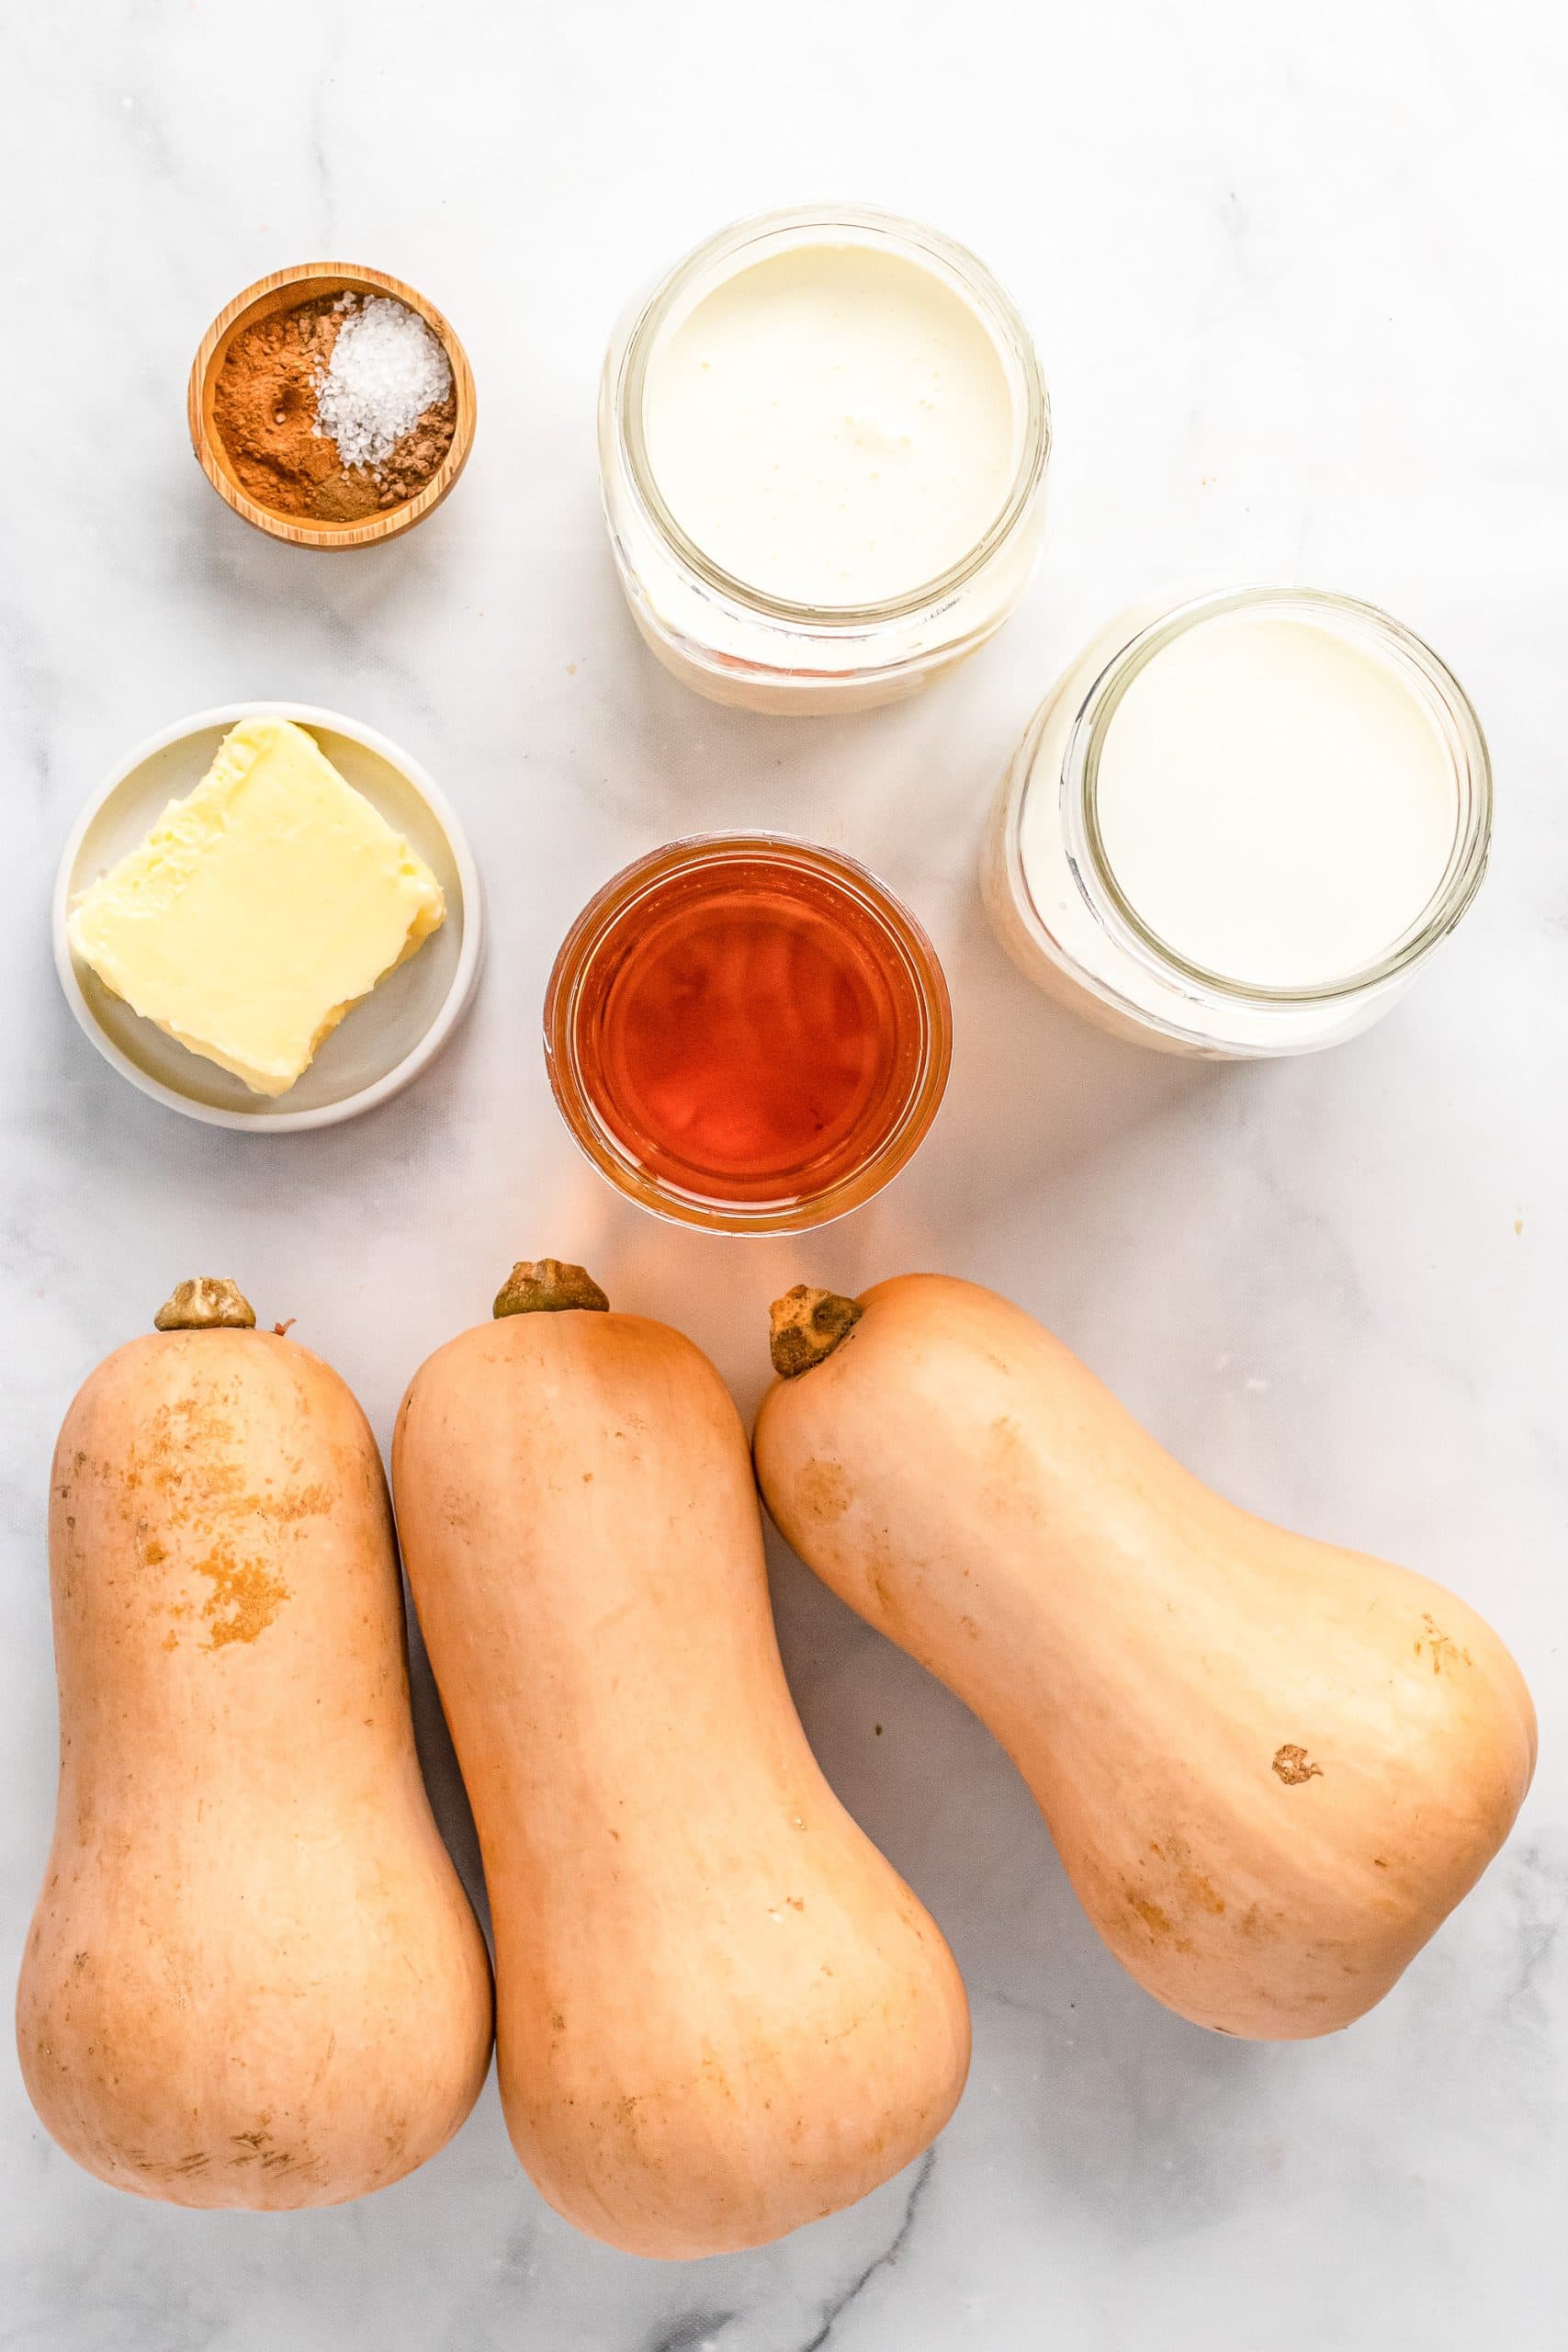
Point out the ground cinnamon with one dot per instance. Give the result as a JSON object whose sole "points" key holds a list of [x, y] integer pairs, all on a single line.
{"points": [[264, 411]]}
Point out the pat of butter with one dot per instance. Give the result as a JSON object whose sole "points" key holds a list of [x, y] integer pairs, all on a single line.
{"points": [[260, 908]]}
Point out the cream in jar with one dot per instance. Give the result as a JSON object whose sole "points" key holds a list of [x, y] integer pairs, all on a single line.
{"points": [[822, 444], [1237, 826], [832, 424]]}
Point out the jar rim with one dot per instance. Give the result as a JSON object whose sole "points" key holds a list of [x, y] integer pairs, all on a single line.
{"points": [[609, 906], [1003, 320], [1423, 671]]}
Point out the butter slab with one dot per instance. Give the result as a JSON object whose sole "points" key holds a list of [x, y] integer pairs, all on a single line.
{"points": [[260, 908]]}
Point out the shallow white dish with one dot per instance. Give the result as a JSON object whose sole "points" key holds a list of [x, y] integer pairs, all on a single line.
{"points": [[378, 1047]]}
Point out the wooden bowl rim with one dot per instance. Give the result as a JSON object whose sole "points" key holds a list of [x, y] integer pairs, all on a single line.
{"points": [[292, 530]]}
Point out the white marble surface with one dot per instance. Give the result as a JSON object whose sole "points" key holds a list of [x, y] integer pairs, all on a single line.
{"points": [[1296, 280]]}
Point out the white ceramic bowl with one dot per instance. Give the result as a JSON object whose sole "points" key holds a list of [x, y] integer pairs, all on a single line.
{"points": [[380, 1046]]}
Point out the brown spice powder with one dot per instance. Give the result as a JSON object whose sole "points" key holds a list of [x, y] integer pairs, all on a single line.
{"points": [[264, 409]]}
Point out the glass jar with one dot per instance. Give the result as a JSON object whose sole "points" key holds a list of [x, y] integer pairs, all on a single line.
{"points": [[736, 643], [1060, 911], [747, 1033]]}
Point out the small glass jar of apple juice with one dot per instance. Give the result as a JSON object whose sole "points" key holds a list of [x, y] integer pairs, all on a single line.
{"points": [[747, 1033]]}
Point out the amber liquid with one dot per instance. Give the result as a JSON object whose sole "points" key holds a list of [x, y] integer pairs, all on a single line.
{"points": [[750, 1032]]}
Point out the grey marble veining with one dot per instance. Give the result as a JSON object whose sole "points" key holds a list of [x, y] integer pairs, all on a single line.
{"points": [[1296, 280]]}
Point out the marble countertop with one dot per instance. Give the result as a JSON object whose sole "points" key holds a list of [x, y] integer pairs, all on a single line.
{"points": [[1293, 275]]}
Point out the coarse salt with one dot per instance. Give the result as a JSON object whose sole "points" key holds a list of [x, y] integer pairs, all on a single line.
{"points": [[386, 369]]}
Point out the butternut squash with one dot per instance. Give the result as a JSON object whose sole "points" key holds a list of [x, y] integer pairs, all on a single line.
{"points": [[253, 1977], [719, 2011], [1270, 1766]]}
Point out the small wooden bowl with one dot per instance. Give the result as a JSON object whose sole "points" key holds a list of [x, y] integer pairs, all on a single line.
{"points": [[282, 291]]}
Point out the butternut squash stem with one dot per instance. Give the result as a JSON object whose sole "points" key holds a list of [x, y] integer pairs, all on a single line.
{"points": [[808, 1325], [206, 1303], [546, 1287]]}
